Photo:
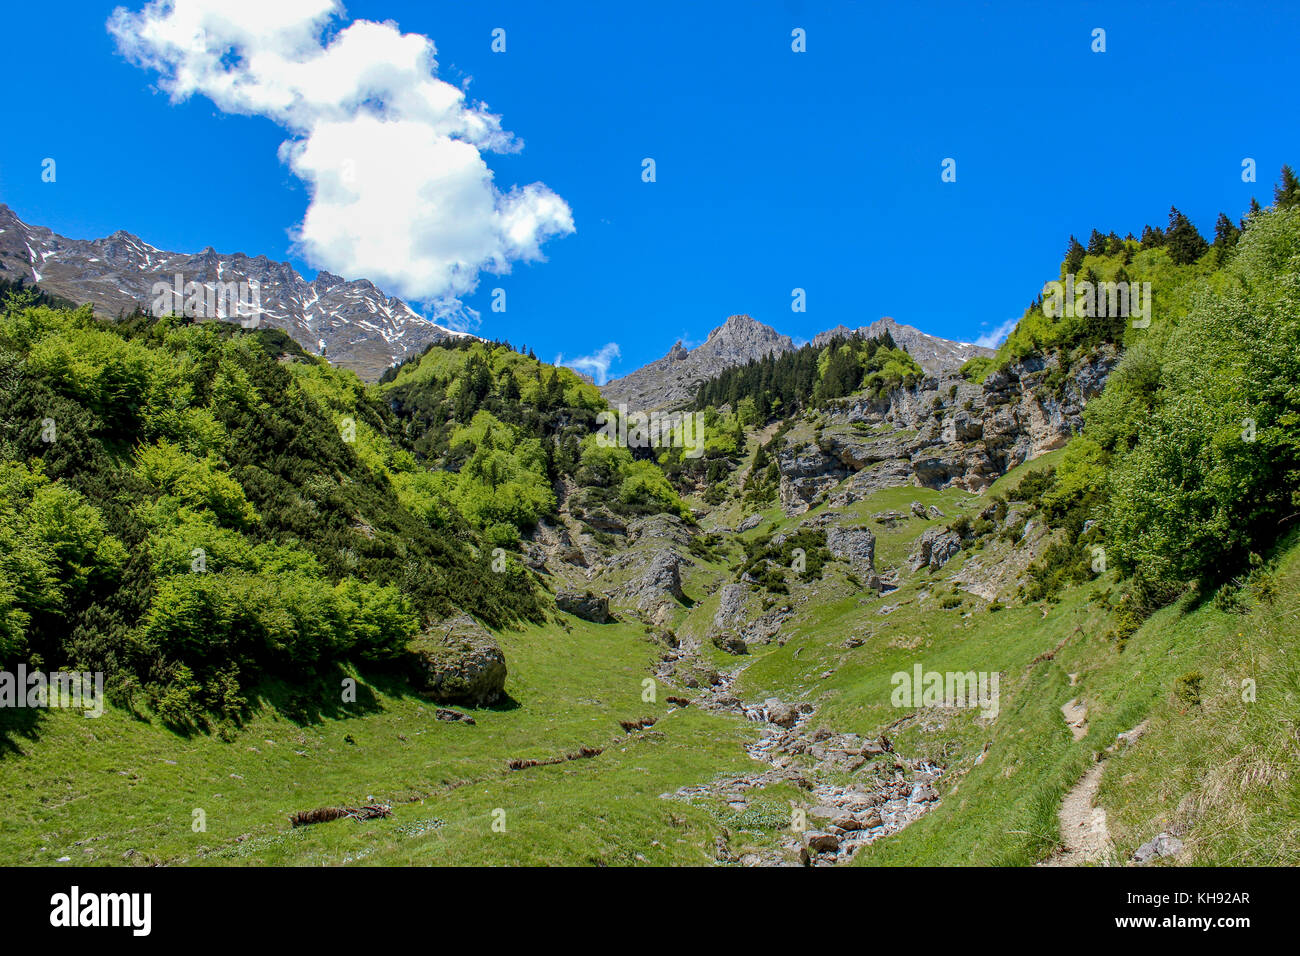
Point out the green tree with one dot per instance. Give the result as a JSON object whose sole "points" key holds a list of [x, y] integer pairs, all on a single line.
{"points": [[1074, 254], [1185, 244], [1286, 194], [1226, 235]]}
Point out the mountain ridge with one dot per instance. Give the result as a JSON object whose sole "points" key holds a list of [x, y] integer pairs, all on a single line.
{"points": [[351, 321], [674, 379]]}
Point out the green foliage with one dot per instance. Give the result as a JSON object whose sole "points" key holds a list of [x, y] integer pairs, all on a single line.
{"points": [[286, 618], [1187, 688], [1074, 256], [1215, 463], [1286, 194], [267, 512], [1060, 565], [977, 369], [501, 428], [503, 486], [768, 561], [1184, 242], [54, 549], [811, 376], [1078, 484], [197, 483], [642, 487]]}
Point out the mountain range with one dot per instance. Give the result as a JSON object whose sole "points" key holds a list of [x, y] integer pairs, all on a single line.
{"points": [[353, 323], [358, 326]]}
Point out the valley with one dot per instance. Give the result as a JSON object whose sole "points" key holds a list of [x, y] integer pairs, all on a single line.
{"points": [[439, 598]]}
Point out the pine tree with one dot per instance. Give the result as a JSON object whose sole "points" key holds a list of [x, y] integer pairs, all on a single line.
{"points": [[1186, 245], [1225, 237], [1152, 237], [1251, 213], [1074, 254], [1286, 194], [1096, 244]]}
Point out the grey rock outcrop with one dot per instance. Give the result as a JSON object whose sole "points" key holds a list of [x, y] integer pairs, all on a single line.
{"points": [[584, 604], [658, 587], [944, 432], [857, 546], [935, 548]]}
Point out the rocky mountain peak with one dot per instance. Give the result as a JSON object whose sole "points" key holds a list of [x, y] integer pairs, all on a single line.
{"points": [[673, 380], [738, 324]]}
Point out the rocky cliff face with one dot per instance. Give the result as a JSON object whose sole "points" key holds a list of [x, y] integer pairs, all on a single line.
{"points": [[673, 380], [943, 432], [352, 322]]}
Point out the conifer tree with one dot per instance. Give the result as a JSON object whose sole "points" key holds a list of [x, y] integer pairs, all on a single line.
{"points": [[1074, 254], [1186, 245], [1152, 237], [1286, 194], [1226, 235], [1096, 244], [1254, 210]]}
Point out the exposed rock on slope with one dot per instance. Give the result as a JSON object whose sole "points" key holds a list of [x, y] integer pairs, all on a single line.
{"points": [[584, 604], [673, 380], [658, 588], [935, 548], [941, 433], [857, 546], [361, 328]]}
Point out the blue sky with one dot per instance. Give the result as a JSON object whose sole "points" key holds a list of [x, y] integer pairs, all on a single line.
{"points": [[775, 169]]}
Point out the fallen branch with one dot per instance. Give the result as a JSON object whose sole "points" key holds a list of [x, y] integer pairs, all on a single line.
{"points": [[305, 818]]}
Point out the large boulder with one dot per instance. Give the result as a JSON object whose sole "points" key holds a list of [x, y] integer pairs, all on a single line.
{"points": [[730, 643], [780, 713], [458, 661], [584, 604]]}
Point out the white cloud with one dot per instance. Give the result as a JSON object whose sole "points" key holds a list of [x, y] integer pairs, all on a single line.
{"points": [[596, 365], [392, 155], [991, 340]]}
